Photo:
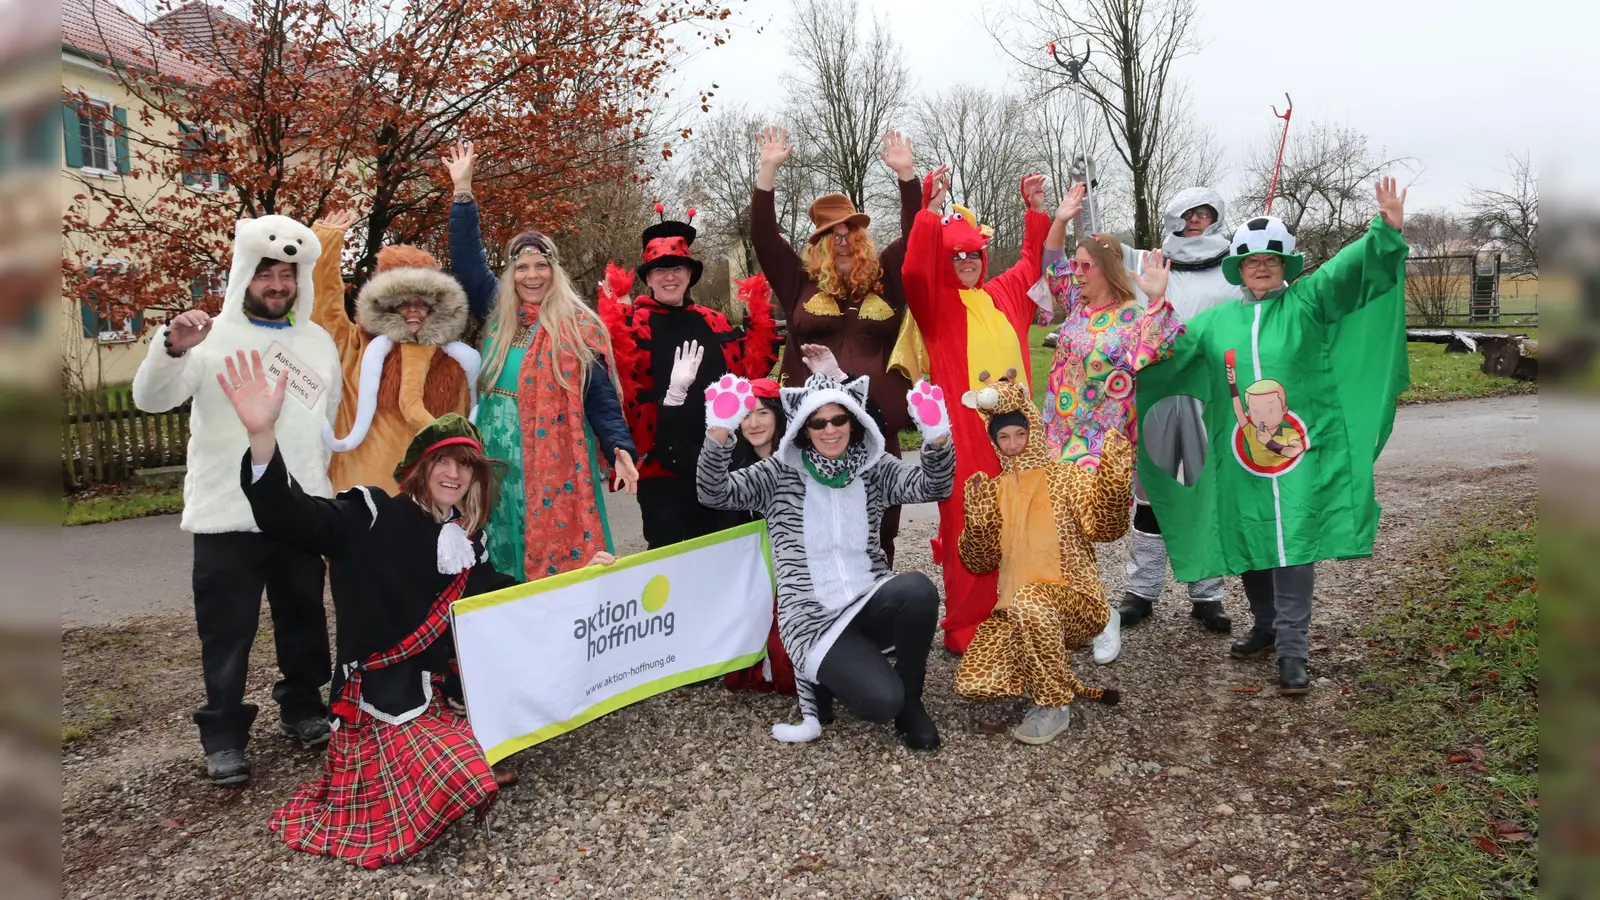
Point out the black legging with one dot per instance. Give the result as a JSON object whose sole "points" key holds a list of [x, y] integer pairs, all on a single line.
{"points": [[902, 614]]}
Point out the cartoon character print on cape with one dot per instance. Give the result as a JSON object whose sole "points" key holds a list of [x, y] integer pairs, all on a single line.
{"points": [[964, 332], [749, 353], [1298, 393]]}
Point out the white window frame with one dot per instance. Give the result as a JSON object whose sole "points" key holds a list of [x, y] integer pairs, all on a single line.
{"points": [[125, 334], [109, 106], [213, 180]]}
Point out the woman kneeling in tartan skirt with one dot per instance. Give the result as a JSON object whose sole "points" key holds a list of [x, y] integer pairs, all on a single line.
{"points": [[401, 764]]}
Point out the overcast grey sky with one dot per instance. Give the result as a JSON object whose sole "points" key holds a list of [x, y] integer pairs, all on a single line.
{"points": [[1449, 83]]}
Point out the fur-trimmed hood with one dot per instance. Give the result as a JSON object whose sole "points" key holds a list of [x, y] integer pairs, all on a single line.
{"points": [[377, 306]]}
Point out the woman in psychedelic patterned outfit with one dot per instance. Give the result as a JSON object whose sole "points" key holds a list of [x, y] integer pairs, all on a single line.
{"points": [[546, 383], [1110, 333]]}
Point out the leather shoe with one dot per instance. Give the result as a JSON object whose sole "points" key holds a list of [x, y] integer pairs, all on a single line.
{"points": [[916, 727], [1253, 644], [1212, 616], [1134, 609], [1292, 676]]}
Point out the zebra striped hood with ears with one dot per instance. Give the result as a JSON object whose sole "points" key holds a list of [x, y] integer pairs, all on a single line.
{"points": [[820, 390]]}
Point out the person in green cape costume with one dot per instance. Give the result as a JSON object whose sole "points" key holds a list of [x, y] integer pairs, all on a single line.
{"points": [[1299, 381]]}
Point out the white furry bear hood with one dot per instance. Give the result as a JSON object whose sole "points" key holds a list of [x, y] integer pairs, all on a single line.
{"points": [[271, 237]]}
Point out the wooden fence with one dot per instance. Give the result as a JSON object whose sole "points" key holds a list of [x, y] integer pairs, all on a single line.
{"points": [[105, 439]]}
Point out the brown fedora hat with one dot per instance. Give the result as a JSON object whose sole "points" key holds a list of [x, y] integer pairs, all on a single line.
{"points": [[832, 209]]}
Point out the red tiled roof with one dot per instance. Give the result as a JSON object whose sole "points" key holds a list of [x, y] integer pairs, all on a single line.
{"points": [[197, 28], [105, 31]]}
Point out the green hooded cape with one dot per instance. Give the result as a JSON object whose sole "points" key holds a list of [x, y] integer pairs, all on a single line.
{"points": [[1334, 345]]}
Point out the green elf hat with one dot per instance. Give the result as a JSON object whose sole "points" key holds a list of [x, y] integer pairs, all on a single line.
{"points": [[1265, 234], [445, 431]]}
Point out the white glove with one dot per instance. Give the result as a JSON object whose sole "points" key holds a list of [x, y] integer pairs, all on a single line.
{"points": [[685, 365], [926, 404], [728, 402], [821, 361]]}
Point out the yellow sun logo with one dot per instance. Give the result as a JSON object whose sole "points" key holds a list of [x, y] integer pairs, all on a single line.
{"points": [[655, 594]]}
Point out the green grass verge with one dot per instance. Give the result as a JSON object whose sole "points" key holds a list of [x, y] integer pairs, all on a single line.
{"points": [[1449, 712], [1437, 375], [123, 503]]}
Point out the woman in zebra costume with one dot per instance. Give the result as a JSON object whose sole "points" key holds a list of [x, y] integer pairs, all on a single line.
{"points": [[823, 494]]}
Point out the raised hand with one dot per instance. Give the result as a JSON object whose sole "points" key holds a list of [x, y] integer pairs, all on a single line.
{"points": [[339, 219], [925, 402], [255, 398], [1391, 205], [627, 474], [896, 154], [1153, 280], [728, 402], [821, 361], [935, 185], [775, 146], [685, 366], [1072, 203], [1033, 191], [186, 330], [459, 160]]}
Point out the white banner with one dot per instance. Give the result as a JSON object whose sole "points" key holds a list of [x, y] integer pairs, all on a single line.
{"points": [[543, 658]]}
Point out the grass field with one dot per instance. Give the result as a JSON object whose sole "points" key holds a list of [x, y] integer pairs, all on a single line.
{"points": [[1449, 710], [114, 503]]}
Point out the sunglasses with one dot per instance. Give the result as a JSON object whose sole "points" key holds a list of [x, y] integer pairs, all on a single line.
{"points": [[1078, 266], [839, 421]]}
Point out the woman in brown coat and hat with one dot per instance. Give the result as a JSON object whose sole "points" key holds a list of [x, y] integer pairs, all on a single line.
{"points": [[841, 294]]}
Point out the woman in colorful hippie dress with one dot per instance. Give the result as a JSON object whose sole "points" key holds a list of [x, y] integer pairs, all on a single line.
{"points": [[546, 382], [1110, 333], [401, 764]]}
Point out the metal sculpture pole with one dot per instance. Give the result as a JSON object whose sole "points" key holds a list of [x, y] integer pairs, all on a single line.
{"points": [[1272, 191], [1074, 68]]}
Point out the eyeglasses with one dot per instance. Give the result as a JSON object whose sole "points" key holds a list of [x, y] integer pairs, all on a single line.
{"points": [[839, 421], [960, 255], [1078, 266], [1260, 262]]}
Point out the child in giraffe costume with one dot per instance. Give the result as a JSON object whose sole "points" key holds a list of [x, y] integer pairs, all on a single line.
{"points": [[1038, 522]]}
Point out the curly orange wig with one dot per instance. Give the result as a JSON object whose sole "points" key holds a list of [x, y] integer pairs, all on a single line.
{"points": [[866, 276]]}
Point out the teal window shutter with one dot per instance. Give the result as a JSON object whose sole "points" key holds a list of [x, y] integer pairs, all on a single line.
{"points": [[71, 136], [124, 165], [91, 317]]}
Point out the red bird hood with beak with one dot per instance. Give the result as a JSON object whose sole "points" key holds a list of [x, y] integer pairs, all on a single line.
{"points": [[961, 232]]}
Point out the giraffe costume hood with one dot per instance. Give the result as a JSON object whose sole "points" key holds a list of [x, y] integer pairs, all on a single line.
{"points": [[1037, 523]]}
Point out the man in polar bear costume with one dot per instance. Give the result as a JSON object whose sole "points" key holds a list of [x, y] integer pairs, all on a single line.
{"points": [[265, 310]]}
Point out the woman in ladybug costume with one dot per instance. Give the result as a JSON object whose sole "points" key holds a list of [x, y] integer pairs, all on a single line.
{"points": [[648, 332]]}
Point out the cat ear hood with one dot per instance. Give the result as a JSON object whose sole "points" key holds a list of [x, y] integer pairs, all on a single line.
{"points": [[800, 403]]}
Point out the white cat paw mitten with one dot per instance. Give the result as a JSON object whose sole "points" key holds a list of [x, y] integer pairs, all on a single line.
{"points": [[926, 404], [728, 401], [808, 730]]}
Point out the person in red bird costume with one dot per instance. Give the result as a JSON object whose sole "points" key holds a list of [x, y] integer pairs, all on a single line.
{"points": [[967, 327], [649, 334]]}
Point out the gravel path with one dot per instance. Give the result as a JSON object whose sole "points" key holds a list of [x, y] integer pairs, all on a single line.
{"points": [[1195, 786]]}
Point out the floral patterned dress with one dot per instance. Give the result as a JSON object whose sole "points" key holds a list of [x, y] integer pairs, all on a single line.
{"points": [[1098, 352]]}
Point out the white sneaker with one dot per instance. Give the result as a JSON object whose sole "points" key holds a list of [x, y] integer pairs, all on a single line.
{"points": [[1108, 643], [1042, 724]]}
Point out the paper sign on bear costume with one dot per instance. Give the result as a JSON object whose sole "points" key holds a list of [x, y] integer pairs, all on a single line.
{"points": [[304, 385], [542, 658]]}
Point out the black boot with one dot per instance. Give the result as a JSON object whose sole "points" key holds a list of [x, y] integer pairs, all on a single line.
{"points": [[916, 727], [1293, 679], [824, 698], [1212, 616], [1134, 609], [1254, 643]]}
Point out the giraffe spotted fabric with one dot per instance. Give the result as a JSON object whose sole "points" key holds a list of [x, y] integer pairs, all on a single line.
{"points": [[1038, 522]]}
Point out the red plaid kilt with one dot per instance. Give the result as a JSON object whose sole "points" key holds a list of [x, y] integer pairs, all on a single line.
{"points": [[388, 790]]}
